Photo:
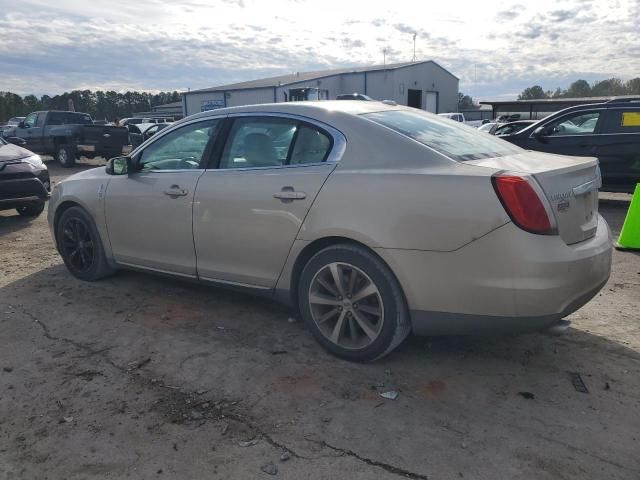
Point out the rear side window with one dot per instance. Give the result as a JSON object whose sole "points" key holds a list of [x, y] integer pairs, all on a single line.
{"points": [[258, 142], [311, 146], [623, 121], [453, 139]]}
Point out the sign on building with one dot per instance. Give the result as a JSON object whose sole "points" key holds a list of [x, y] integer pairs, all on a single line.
{"points": [[207, 105]]}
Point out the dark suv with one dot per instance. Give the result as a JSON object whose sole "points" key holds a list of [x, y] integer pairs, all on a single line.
{"points": [[609, 131]]}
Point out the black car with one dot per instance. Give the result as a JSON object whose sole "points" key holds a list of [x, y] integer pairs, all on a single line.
{"points": [[24, 179], [609, 131]]}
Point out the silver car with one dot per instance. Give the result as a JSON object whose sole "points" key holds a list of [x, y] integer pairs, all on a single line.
{"points": [[371, 220]]}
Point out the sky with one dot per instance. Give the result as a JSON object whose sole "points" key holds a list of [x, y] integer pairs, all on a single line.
{"points": [[496, 48]]}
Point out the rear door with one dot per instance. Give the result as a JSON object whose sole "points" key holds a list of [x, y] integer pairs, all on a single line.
{"points": [[249, 207], [619, 148], [572, 134]]}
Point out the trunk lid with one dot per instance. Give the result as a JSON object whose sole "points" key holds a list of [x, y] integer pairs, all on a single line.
{"points": [[570, 185]]}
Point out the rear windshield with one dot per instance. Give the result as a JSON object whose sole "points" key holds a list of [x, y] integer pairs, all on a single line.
{"points": [[453, 139]]}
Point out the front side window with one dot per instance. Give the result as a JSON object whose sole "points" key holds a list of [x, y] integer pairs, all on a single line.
{"points": [[181, 149], [583, 123], [30, 121], [452, 139], [258, 142]]}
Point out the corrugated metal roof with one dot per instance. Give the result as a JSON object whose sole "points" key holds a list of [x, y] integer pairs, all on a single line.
{"points": [[297, 77]]}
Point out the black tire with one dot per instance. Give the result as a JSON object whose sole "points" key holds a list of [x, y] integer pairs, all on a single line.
{"points": [[66, 155], [392, 328], [31, 209], [89, 261]]}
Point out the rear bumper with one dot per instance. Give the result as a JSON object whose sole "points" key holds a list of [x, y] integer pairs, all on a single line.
{"points": [[506, 281]]}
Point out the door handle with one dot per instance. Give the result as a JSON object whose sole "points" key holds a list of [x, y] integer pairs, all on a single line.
{"points": [[176, 191], [290, 195]]}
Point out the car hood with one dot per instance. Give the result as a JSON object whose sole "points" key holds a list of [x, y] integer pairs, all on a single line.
{"points": [[13, 152]]}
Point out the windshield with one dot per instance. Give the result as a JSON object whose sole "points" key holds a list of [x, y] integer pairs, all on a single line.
{"points": [[486, 127], [455, 140]]}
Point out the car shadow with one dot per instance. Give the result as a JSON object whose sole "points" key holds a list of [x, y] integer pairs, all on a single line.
{"points": [[11, 221]]}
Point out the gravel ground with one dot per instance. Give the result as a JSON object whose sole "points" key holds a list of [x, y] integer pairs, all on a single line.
{"points": [[145, 377]]}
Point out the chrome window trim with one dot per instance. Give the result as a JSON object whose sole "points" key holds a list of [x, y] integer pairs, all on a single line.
{"points": [[337, 150], [170, 129], [182, 170]]}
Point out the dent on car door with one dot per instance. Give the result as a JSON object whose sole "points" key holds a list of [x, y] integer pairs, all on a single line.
{"points": [[149, 211], [247, 212]]}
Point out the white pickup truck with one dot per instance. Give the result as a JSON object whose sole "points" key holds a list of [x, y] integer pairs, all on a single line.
{"points": [[459, 117]]}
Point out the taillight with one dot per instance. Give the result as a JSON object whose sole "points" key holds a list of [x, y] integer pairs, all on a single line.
{"points": [[522, 203]]}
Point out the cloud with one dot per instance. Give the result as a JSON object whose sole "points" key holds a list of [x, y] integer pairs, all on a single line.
{"points": [[510, 14], [50, 47], [561, 15]]}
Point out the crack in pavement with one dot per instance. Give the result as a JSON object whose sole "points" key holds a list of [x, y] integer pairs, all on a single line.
{"points": [[385, 466]]}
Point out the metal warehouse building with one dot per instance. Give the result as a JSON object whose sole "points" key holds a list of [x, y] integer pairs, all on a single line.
{"points": [[424, 85]]}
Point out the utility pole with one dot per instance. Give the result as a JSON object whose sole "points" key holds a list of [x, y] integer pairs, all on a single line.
{"points": [[414, 47], [384, 57]]}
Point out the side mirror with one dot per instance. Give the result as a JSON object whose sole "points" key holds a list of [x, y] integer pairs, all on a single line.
{"points": [[22, 125], [540, 133], [16, 141], [119, 166]]}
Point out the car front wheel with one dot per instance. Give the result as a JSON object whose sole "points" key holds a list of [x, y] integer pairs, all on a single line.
{"points": [[31, 209], [80, 245], [352, 303]]}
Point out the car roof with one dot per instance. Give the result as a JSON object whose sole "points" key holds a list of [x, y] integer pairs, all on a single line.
{"points": [[330, 112], [353, 107]]}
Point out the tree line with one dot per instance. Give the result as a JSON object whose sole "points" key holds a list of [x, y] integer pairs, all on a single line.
{"points": [[100, 105], [610, 87]]}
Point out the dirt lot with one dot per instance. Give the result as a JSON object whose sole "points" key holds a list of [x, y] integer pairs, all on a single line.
{"points": [[145, 377]]}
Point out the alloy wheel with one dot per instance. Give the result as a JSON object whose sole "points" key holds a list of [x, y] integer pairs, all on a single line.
{"points": [[346, 305], [77, 244], [62, 156]]}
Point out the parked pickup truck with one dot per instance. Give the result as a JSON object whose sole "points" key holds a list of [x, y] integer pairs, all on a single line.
{"points": [[69, 135]]}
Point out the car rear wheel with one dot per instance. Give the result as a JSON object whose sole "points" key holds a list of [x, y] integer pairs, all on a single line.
{"points": [[31, 209], [66, 155], [352, 303], [80, 245]]}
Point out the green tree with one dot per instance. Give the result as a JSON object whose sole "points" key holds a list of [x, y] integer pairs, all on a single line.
{"points": [[608, 87], [579, 89], [533, 93], [465, 102], [632, 86]]}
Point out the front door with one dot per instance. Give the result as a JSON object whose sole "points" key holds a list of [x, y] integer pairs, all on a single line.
{"points": [[31, 131], [247, 212], [149, 211], [432, 102]]}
